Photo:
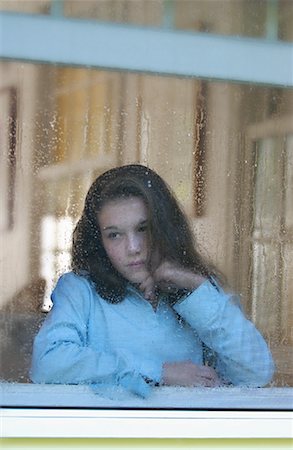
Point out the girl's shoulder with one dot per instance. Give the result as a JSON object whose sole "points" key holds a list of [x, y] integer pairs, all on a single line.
{"points": [[75, 285], [75, 293], [71, 278]]}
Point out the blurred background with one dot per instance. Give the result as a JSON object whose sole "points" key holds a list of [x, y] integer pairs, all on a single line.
{"points": [[225, 147]]}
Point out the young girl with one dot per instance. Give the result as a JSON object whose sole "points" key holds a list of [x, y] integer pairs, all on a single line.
{"points": [[141, 307]]}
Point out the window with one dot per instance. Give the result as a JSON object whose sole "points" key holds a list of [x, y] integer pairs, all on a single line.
{"points": [[55, 252], [269, 152], [76, 118]]}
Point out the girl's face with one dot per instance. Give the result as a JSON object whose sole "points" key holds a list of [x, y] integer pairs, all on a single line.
{"points": [[124, 228]]}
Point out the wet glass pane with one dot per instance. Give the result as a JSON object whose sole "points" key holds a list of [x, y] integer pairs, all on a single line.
{"points": [[268, 180], [289, 184], [257, 19], [266, 279], [272, 247], [287, 259], [62, 127], [27, 6], [241, 17]]}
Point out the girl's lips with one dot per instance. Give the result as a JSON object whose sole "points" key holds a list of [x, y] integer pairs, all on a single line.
{"points": [[136, 264]]}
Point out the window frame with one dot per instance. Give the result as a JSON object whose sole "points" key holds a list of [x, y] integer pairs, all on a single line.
{"points": [[47, 411], [115, 423], [207, 56], [140, 49]]}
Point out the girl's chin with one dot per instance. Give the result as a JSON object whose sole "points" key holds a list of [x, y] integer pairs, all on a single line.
{"points": [[137, 278]]}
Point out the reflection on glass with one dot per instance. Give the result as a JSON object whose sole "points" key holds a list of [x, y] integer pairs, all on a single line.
{"points": [[268, 182], [73, 124], [272, 245], [257, 19], [54, 252], [28, 6], [266, 287]]}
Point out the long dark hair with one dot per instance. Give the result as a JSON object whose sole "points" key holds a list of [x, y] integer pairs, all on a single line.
{"points": [[169, 230]]}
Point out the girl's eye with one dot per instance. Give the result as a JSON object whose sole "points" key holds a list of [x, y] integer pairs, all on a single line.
{"points": [[113, 235], [142, 228]]}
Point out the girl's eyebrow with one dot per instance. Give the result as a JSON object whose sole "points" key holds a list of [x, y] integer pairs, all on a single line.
{"points": [[114, 227]]}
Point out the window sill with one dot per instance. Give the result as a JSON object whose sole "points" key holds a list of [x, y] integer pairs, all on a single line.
{"points": [[55, 411]]}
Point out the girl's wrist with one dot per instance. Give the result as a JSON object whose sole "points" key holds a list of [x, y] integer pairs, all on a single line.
{"points": [[195, 280]]}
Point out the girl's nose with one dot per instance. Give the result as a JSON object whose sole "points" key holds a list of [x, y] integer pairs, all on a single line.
{"points": [[133, 244]]}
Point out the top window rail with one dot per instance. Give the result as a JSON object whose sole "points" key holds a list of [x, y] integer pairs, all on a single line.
{"points": [[111, 46]]}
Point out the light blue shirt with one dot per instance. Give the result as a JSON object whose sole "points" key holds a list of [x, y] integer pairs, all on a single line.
{"points": [[87, 340]]}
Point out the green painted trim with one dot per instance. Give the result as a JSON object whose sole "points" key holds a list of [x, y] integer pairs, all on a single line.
{"points": [[205, 444]]}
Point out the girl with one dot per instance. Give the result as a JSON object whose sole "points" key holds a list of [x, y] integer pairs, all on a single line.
{"points": [[141, 307]]}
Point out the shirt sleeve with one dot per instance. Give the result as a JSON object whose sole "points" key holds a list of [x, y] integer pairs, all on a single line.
{"points": [[61, 354], [243, 357]]}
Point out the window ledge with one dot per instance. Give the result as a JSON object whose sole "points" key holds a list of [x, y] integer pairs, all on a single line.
{"points": [[55, 411]]}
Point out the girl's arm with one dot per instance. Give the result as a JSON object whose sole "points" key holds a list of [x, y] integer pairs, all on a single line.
{"points": [[243, 357], [61, 354]]}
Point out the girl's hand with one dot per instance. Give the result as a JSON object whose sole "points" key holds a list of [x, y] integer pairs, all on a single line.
{"points": [[169, 274], [147, 287], [188, 374]]}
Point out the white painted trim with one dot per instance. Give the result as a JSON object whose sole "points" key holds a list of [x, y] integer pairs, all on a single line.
{"points": [[60, 423], [271, 128], [78, 411], [59, 40], [66, 169]]}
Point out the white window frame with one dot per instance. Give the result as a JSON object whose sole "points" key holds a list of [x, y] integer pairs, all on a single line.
{"points": [[150, 50], [29, 38], [74, 423], [54, 411]]}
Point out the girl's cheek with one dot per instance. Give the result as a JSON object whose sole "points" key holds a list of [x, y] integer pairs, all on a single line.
{"points": [[114, 252]]}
